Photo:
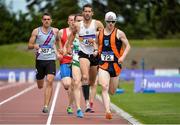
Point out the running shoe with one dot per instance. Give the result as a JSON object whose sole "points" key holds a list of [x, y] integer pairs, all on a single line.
{"points": [[91, 106], [88, 109], [69, 110], [108, 116], [45, 109], [80, 113]]}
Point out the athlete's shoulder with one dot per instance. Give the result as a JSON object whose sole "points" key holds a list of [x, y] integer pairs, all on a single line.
{"points": [[99, 24], [120, 34], [55, 30], [35, 31], [61, 31]]}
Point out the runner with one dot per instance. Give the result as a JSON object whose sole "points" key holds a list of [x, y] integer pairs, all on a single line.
{"points": [[43, 41], [65, 62], [76, 72], [86, 31], [113, 48]]}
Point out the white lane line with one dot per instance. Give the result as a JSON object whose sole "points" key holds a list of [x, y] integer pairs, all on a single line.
{"points": [[53, 104], [10, 85], [18, 94]]}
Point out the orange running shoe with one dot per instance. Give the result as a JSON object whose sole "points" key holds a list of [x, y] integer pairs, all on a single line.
{"points": [[108, 115]]}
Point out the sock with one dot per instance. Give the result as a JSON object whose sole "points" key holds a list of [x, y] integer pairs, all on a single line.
{"points": [[85, 89], [91, 104]]}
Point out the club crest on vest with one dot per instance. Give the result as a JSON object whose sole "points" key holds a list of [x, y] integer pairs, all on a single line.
{"points": [[106, 42]]}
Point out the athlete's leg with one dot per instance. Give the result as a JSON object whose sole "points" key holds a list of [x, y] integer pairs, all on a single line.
{"points": [[93, 84], [40, 74], [104, 79], [49, 89], [85, 66], [67, 83], [40, 83], [114, 81], [76, 73]]}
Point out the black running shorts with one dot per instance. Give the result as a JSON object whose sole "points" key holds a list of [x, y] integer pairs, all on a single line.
{"points": [[44, 67], [93, 60]]}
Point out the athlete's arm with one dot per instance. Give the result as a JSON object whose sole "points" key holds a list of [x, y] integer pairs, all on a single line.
{"points": [[31, 44], [56, 31], [121, 35], [59, 41], [75, 30], [99, 25]]}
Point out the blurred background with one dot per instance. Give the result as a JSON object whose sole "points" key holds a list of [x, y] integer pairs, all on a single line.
{"points": [[152, 27], [152, 66]]}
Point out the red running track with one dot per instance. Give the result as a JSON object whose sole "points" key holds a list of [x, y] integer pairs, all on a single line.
{"points": [[22, 104]]}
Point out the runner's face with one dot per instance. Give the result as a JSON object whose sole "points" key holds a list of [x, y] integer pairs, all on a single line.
{"points": [[46, 20], [70, 21], [110, 24], [79, 18], [87, 13]]}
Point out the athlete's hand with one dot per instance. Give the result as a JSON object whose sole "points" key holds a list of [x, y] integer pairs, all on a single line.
{"points": [[69, 49], [95, 53], [60, 51], [120, 60], [36, 46], [90, 40], [59, 56]]}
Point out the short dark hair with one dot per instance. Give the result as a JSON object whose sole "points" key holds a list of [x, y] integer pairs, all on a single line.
{"points": [[78, 14], [87, 5], [46, 14]]}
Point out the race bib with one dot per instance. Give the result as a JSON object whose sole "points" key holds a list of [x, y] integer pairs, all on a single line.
{"points": [[85, 40], [45, 50], [75, 51], [87, 43], [107, 56]]}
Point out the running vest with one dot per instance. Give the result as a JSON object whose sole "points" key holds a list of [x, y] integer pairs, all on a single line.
{"points": [[110, 48], [84, 35], [76, 49], [66, 58], [46, 42]]}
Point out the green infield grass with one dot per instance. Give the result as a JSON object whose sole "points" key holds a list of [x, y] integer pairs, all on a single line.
{"points": [[16, 56], [157, 108], [155, 43]]}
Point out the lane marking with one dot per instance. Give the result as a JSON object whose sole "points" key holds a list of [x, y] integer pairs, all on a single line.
{"points": [[53, 104], [10, 85], [18, 94], [121, 112]]}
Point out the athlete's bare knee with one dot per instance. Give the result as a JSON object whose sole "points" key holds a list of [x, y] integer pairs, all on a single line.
{"points": [[76, 84], [85, 78], [104, 87], [67, 86], [49, 80]]}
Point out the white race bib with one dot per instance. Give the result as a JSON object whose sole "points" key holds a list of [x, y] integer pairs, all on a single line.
{"points": [[45, 50], [86, 42], [107, 56]]}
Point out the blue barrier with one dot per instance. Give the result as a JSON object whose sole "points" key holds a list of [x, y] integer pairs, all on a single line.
{"points": [[157, 84], [18, 74]]}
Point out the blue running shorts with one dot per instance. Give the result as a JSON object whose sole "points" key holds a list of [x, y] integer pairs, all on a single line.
{"points": [[65, 70]]}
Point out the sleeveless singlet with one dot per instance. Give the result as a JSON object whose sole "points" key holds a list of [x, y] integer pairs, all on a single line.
{"points": [[46, 50], [66, 58], [84, 35]]}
